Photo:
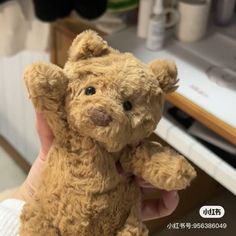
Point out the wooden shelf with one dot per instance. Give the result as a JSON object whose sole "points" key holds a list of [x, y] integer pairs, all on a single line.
{"points": [[209, 120]]}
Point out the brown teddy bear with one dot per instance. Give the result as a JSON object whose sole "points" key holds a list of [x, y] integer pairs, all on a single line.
{"points": [[101, 108]]}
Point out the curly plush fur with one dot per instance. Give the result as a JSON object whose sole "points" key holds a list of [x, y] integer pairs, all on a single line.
{"points": [[101, 108]]}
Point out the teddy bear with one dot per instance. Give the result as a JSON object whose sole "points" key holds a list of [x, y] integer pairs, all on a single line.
{"points": [[102, 107]]}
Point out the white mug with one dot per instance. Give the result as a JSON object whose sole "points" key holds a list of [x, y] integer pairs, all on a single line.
{"points": [[193, 20]]}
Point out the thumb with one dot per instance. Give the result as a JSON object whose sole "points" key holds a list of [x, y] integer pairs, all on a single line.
{"points": [[46, 138], [31, 183], [45, 134]]}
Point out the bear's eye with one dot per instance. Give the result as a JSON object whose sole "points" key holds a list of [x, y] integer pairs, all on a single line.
{"points": [[90, 90], [127, 105]]}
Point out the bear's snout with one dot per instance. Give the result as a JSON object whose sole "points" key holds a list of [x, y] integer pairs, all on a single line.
{"points": [[100, 117]]}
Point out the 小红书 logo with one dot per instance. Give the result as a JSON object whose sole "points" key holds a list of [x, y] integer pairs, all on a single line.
{"points": [[212, 211]]}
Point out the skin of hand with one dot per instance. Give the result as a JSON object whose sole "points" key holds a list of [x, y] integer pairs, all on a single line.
{"points": [[151, 209]]}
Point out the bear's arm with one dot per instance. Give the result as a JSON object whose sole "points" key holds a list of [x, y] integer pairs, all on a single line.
{"points": [[158, 165], [47, 86]]}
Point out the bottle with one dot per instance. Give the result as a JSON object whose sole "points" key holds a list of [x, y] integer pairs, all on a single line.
{"points": [[156, 27], [144, 14]]}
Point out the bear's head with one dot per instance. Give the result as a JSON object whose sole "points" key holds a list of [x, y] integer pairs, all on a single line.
{"points": [[111, 96]]}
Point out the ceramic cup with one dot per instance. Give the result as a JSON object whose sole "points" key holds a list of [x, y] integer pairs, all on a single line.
{"points": [[193, 20]]}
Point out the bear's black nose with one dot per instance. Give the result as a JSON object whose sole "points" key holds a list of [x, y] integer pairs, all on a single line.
{"points": [[100, 117]]}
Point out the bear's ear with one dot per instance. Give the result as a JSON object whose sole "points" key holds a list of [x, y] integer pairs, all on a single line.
{"points": [[86, 45], [166, 73]]}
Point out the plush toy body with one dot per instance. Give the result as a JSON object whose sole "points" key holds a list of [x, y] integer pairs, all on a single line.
{"points": [[101, 108]]}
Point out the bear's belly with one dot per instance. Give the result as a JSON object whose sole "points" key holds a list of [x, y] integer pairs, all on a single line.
{"points": [[94, 214]]}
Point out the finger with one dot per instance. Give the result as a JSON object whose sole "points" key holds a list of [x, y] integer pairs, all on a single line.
{"points": [[157, 208], [44, 132]]}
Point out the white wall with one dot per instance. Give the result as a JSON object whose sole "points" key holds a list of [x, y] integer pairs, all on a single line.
{"points": [[16, 112]]}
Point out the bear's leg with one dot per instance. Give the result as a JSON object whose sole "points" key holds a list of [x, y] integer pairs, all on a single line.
{"points": [[133, 226]]}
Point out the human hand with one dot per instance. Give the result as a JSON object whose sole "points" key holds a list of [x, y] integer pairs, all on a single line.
{"points": [[28, 188], [157, 208], [151, 209]]}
